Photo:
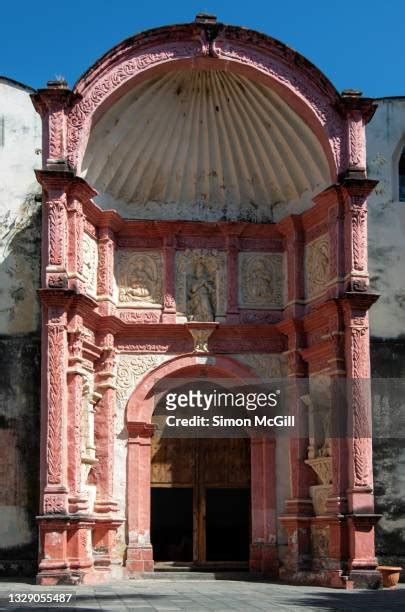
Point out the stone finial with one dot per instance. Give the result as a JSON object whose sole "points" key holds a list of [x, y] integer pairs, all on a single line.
{"points": [[205, 18]]}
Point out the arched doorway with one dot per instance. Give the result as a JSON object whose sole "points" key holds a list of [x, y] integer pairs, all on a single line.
{"points": [[193, 500]]}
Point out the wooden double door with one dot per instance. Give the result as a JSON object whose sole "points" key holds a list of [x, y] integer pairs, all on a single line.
{"points": [[200, 506]]}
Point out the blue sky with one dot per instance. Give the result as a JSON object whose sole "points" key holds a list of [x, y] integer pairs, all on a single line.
{"points": [[357, 44]]}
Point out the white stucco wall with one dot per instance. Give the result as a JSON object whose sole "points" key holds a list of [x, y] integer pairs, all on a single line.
{"points": [[386, 225], [20, 138]]}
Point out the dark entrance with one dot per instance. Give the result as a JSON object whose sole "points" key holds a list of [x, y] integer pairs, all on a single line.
{"points": [[201, 501], [227, 524], [172, 524]]}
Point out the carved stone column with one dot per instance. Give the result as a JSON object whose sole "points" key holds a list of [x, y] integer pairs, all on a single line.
{"points": [[52, 103], [263, 550], [104, 426], [105, 506], [355, 232], [75, 410], [169, 299], [105, 277], [139, 551], [53, 562], [359, 111], [78, 193], [291, 228], [54, 227], [232, 309], [298, 509], [360, 496]]}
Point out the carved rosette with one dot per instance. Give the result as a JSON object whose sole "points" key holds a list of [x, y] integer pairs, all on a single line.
{"points": [[261, 280], [140, 278], [201, 282], [317, 266]]}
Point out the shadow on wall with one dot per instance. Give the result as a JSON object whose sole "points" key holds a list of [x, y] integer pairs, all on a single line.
{"points": [[20, 242]]}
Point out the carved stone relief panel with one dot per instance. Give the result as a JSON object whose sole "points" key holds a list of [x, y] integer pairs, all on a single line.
{"points": [[201, 284], [265, 365], [131, 368], [90, 263], [317, 266], [261, 280], [140, 278]]}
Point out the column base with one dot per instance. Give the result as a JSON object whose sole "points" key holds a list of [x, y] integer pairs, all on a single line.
{"points": [[139, 559], [365, 579], [264, 559], [326, 578]]}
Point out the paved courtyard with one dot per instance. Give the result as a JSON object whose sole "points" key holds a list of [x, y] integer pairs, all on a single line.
{"points": [[195, 596]]}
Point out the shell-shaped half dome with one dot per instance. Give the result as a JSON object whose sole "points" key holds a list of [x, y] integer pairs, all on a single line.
{"points": [[205, 145]]}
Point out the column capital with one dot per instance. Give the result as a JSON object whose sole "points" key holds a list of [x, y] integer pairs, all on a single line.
{"points": [[140, 429]]}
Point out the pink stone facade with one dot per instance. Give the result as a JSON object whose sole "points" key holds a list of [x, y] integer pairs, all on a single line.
{"points": [[83, 332]]}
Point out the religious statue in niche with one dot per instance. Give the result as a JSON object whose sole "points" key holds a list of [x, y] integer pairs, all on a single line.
{"points": [[317, 265], [201, 295], [261, 280], [201, 284], [140, 279]]}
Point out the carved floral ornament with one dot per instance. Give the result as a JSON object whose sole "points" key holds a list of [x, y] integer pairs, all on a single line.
{"points": [[90, 262], [131, 368], [261, 280], [140, 277], [317, 266]]}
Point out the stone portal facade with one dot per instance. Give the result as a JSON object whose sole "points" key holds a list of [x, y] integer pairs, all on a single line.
{"points": [[241, 254]]}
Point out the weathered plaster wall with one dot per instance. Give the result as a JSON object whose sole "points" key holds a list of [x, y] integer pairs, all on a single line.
{"points": [[20, 238], [385, 138]]}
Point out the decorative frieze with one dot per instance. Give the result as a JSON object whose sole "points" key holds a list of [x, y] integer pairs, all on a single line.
{"points": [[261, 280]]}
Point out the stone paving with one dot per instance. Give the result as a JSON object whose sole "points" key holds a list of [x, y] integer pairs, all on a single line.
{"points": [[218, 595]]}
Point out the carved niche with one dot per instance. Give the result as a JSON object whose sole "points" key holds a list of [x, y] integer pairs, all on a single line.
{"points": [[317, 266], [261, 280], [140, 278], [90, 263], [201, 284]]}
